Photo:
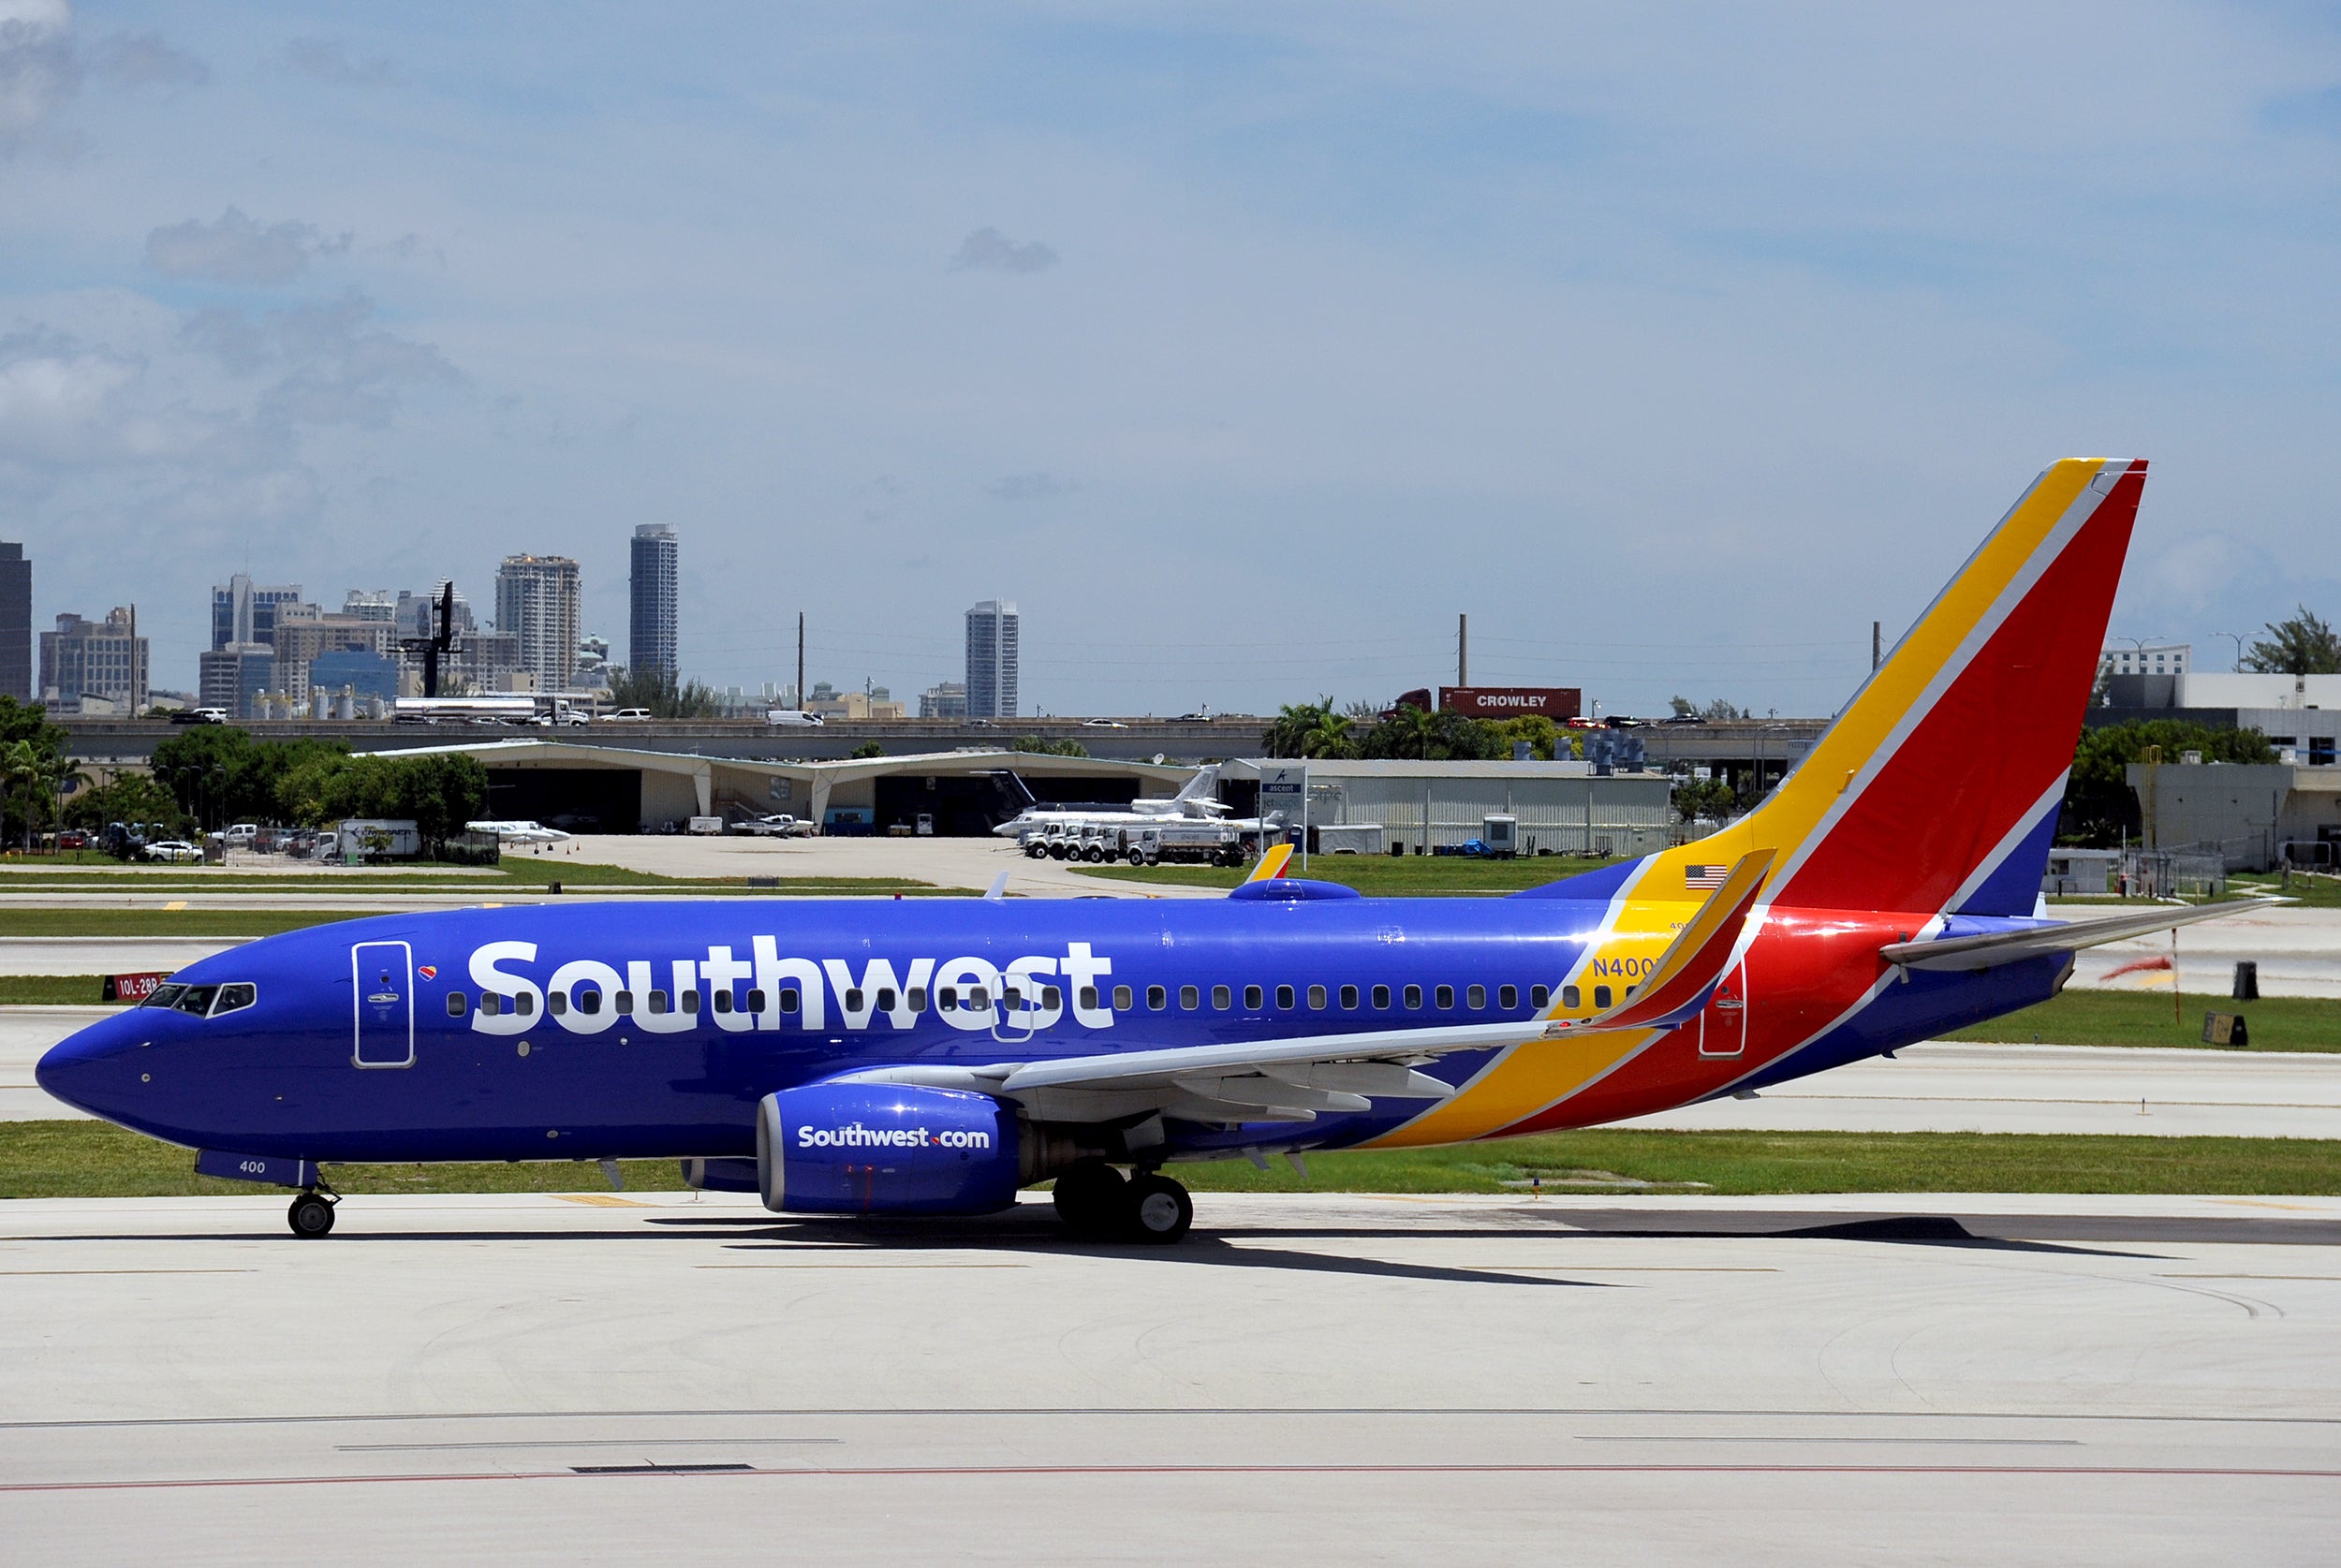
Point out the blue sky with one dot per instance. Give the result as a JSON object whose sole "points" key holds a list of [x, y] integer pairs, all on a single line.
{"points": [[1243, 347]]}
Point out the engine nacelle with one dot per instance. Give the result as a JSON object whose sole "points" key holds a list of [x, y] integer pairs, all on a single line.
{"points": [[721, 1175], [885, 1148]]}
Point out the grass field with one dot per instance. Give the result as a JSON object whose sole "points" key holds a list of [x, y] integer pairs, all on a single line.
{"points": [[23, 921], [2092, 1017], [85, 1159], [1376, 876], [52, 990]]}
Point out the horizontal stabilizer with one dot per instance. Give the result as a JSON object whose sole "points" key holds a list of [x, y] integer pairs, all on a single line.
{"points": [[1693, 964], [1993, 948]]}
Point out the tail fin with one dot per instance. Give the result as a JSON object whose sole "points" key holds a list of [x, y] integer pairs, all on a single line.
{"points": [[1200, 787], [1937, 788]]}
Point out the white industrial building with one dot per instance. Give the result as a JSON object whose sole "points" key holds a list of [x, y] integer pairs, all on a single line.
{"points": [[2258, 814], [1565, 808]]}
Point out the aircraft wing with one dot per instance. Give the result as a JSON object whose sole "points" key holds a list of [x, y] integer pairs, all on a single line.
{"points": [[1992, 948], [1293, 1078]]}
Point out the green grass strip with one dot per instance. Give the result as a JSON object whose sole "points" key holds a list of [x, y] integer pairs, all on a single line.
{"points": [[89, 1159], [19, 921], [53, 990], [2095, 1017]]}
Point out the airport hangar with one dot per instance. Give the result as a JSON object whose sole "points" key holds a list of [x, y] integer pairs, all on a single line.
{"points": [[1560, 806]]}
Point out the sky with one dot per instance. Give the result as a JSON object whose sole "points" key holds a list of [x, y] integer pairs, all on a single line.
{"points": [[1244, 346]]}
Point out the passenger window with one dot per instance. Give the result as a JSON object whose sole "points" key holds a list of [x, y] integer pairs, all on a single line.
{"points": [[1476, 998], [455, 1004], [1350, 999], [524, 1004], [1121, 998], [945, 1000], [979, 1000], [589, 1001], [1507, 997], [757, 1000], [1569, 995], [1445, 996], [1157, 999], [1251, 998], [723, 1000], [234, 998], [1540, 996], [886, 999], [1089, 999], [1052, 997], [626, 1002], [490, 1004], [1283, 997], [1190, 998], [556, 1002], [659, 1001], [198, 999], [853, 999], [1316, 999], [1221, 998], [1632, 990], [1381, 997], [1414, 998], [690, 1001], [1012, 996], [915, 997], [788, 999], [1601, 997]]}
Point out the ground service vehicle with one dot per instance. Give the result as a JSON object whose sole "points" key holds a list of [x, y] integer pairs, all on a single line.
{"points": [[931, 1056], [792, 717]]}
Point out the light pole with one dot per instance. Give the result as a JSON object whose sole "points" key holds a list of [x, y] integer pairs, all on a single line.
{"points": [[2239, 646]]}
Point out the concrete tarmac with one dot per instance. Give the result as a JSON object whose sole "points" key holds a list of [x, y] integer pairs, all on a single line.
{"points": [[1325, 1379], [2298, 951]]}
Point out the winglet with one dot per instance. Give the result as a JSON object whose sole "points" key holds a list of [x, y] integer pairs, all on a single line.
{"points": [[998, 890], [1272, 862], [1693, 964]]}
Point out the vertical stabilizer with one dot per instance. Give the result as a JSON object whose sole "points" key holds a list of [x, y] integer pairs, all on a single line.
{"points": [[1937, 788]]}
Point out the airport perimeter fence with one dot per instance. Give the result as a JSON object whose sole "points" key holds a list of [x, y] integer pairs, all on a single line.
{"points": [[2195, 871]]}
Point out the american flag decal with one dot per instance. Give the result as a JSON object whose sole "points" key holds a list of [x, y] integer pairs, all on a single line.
{"points": [[1705, 876]]}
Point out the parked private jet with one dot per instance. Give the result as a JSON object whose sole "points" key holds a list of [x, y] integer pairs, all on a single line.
{"points": [[935, 1056]]}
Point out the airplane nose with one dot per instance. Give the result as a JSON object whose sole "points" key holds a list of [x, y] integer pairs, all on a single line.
{"points": [[86, 1069]]}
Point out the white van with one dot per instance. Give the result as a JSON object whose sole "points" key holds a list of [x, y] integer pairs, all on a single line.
{"points": [[704, 825], [797, 716]]}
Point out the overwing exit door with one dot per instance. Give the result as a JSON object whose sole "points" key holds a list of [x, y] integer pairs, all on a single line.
{"points": [[1723, 1023], [382, 986]]}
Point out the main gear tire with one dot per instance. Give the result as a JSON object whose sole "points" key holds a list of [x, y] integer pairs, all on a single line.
{"points": [[1157, 1210], [1091, 1198]]}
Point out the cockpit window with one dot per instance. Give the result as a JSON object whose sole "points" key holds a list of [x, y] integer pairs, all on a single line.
{"points": [[163, 996], [197, 1000], [235, 997]]}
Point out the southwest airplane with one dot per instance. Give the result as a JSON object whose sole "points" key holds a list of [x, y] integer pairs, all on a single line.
{"points": [[932, 1057]]}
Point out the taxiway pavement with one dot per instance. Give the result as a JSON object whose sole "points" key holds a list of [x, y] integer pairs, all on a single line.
{"points": [[1322, 1379]]}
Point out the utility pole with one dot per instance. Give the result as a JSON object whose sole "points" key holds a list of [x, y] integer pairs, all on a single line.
{"points": [[1877, 645], [800, 660], [1463, 649]]}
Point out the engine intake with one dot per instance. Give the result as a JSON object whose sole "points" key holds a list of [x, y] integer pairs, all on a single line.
{"points": [[885, 1148]]}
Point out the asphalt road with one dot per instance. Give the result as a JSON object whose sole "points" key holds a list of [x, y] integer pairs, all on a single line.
{"points": [[1317, 1380]]}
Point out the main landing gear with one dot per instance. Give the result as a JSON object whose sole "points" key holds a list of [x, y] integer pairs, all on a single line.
{"points": [[312, 1212], [1095, 1201]]}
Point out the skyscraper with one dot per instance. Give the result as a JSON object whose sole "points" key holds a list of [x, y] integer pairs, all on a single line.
{"points": [[16, 624], [991, 660], [537, 599], [104, 660], [651, 629], [244, 611]]}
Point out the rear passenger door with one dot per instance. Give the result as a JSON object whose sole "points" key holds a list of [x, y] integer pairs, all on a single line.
{"points": [[382, 988]]}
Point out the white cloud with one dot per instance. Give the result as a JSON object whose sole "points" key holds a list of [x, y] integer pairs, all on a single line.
{"points": [[147, 60], [238, 249], [37, 70], [988, 250], [326, 60]]}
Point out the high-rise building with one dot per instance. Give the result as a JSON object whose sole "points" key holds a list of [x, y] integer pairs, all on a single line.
{"points": [[991, 660], [104, 660], [244, 611], [301, 641], [359, 604], [650, 644], [231, 679], [946, 700], [16, 624], [537, 599]]}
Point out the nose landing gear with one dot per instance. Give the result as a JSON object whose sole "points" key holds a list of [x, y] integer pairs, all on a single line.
{"points": [[312, 1212]]}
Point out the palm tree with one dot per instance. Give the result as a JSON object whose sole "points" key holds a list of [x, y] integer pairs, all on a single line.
{"points": [[1330, 736]]}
